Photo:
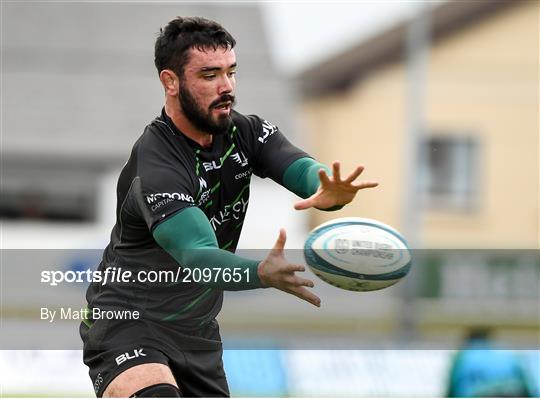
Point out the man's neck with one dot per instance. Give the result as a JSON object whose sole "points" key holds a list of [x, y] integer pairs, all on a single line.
{"points": [[186, 127]]}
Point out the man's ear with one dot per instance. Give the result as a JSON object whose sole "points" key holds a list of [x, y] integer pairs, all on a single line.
{"points": [[170, 82]]}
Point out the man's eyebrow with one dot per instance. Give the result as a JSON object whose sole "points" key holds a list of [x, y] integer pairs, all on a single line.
{"points": [[211, 69]]}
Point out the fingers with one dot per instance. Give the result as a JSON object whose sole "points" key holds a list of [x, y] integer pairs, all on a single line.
{"points": [[357, 172], [306, 295], [296, 285], [304, 282], [280, 243], [284, 279], [335, 171], [294, 281], [353, 176], [303, 204], [365, 184], [291, 268], [325, 180]]}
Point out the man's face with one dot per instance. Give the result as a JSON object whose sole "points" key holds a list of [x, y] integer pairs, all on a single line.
{"points": [[207, 87]]}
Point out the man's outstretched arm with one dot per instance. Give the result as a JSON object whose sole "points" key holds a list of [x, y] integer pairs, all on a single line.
{"points": [[321, 189], [189, 238]]}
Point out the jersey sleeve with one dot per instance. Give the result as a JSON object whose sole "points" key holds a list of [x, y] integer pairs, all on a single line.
{"points": [[189, 238], [164, 183], [269, 151]]}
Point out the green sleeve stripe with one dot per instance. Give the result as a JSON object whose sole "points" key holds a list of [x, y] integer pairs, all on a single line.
{"points": [[302, 176], [189, 238], [87, 319], [227, 245], [224, 157], [216, 186], [197, 167]]}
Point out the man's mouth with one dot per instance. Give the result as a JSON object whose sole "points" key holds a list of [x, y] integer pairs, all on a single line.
{"points": [[223, 105]]}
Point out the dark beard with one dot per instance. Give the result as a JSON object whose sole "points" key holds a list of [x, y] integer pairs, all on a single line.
{"points": [[202, 120]]}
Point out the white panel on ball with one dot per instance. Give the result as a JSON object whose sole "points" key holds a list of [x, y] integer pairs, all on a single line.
{"points": [[357, 254]]}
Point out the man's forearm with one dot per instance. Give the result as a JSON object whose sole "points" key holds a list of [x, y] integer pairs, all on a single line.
{"points": [[190, 240], [302, 178]]}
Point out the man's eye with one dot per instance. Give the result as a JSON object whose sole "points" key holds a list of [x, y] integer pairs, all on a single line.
{"points": [[209, 77], [232, 73]]}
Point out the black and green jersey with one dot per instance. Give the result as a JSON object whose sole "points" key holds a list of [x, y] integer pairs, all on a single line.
{"points": [[167, 173]]}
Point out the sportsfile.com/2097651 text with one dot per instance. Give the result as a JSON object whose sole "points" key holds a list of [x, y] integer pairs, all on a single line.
{"points": [[115, 274]]}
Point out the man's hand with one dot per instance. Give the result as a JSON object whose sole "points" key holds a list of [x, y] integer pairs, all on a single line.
{"points": [[334, 191], [276, 272]]}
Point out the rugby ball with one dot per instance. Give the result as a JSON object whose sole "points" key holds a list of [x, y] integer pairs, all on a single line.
{"points": [[357, 254]]}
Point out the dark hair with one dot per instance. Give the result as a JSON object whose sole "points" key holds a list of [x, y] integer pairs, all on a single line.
{"points": [[182, 34]]}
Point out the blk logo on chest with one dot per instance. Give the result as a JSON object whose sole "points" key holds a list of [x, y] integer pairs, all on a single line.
{"points": [[238, 157], [129, 356], [212, 165]]}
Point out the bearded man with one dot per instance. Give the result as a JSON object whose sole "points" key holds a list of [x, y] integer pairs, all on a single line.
{"points": [[182, 198]]}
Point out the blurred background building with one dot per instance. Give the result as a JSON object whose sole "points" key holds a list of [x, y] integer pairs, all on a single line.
{"points": [[476, 176], [471, 110], [440, 104]]}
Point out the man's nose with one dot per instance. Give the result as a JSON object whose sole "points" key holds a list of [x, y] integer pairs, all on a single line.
{"points": [[226, 85]]}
